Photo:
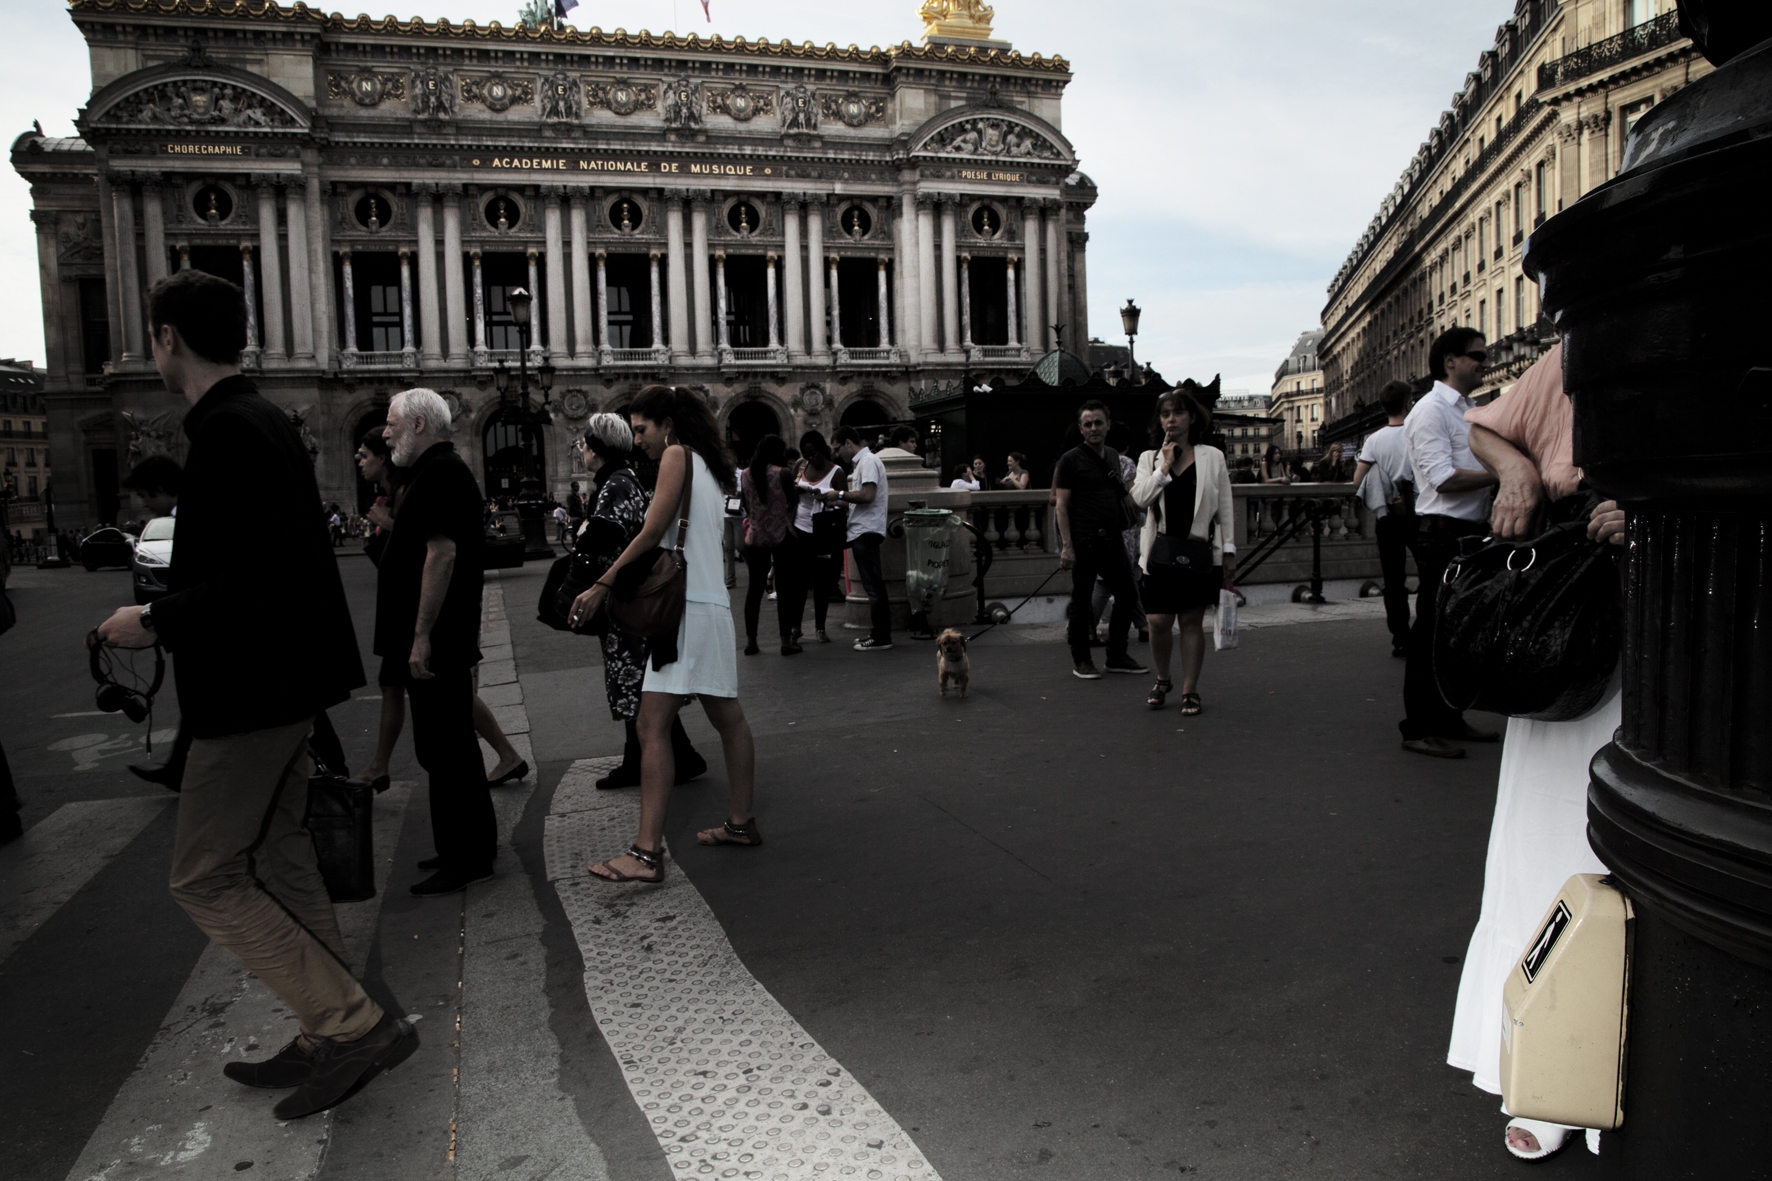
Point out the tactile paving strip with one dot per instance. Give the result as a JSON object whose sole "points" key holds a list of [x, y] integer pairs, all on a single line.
{"points": [[730, 1083]]}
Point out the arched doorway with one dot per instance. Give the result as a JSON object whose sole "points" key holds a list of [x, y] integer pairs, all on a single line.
{"points": [[374, 420], [511, 444], [749, 422], [867, 416]]}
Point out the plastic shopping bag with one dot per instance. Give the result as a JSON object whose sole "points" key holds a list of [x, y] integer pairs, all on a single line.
{"points": [[1224, 632]]}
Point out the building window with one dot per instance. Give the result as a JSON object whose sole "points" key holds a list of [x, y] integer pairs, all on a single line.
{"points": [[95, 326], [1482, 316], [30, 485], [1500, 308], [30, 457], [1482, 240], [1519, 301], [1313, 413], [1538, 193], [1499, 208], [1638, 11]]}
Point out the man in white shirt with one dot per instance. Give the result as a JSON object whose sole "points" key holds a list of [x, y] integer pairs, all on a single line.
{"points": [[1451, 502], [1385, 481], [866, 497]]}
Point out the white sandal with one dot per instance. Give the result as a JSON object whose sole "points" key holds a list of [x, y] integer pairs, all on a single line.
{"points": [[1552, 1138]]}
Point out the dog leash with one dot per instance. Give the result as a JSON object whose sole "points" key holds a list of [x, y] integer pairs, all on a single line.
{"points": [[1020, 605]]}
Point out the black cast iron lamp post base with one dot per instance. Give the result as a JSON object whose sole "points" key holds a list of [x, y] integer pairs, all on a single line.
{"points": [[531, 493]]}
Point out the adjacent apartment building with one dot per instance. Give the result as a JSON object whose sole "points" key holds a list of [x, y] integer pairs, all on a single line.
{"points": [[1542, 120], [1295, 405]]}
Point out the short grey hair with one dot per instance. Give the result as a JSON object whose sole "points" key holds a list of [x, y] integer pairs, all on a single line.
{"points": [[426, 404], [611, 432]]}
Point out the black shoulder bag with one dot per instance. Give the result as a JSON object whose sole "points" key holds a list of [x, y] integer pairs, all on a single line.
{"points": [[1529, 630]]}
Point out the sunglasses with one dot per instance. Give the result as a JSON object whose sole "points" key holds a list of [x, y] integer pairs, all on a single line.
{"points": [[1479, 356]]}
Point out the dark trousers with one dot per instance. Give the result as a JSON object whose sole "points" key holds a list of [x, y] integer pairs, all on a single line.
{"points": [[866, 549], [1426, 714], [10, 826], [758, 559], [1396, 538], [806, 574], [463, 826], [1100, 554]]}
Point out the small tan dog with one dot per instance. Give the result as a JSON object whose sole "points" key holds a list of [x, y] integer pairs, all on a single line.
{"points": [[951, 662]]}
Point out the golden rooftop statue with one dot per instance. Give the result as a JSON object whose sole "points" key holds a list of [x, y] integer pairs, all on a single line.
{"points": [[957, 20]]}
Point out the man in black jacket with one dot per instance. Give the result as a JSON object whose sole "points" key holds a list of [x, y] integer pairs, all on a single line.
{"points": [[254, 561]]}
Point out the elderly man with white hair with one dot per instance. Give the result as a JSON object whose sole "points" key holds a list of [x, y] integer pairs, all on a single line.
{"points": [[427, 632]]}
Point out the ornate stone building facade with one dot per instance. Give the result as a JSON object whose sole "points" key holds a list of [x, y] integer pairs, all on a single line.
{"points": [[807, 234], [1296, 401], [1540, 121]]}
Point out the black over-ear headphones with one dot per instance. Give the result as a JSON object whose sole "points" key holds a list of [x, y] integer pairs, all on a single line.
{"points": [[113, 697]]}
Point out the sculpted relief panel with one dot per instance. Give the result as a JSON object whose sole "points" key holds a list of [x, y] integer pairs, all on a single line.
{"points": [[433, 93], [197, 102], [621, 97], [497, 93], [989, 137]]}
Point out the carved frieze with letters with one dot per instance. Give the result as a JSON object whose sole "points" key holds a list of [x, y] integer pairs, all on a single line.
{"points": [[497, 93], [365, 87], [433, 93], [856, 110], [197, 102], [622, 97], [741, 102], [992, 138], [799, 109], [682, 104], [562, 98]]}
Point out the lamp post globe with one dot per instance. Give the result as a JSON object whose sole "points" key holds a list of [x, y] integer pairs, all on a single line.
{"points": [[1129, 321]]}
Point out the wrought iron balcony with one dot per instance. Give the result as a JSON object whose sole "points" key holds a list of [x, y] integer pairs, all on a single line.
{"points": [[1601, 55]]}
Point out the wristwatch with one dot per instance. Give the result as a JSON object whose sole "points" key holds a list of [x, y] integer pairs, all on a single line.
{"points": [[147, 617]]}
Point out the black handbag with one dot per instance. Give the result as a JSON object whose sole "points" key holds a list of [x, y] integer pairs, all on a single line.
{"points": [[1186, 552], [599, 543], [1531, 630], [340, 822], [830, 532]]}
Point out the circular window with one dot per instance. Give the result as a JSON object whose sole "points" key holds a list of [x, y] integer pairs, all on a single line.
{"points": [[987, 221], [743, 219], [374, 211], [212, 204], [502, 213], [626, 216], [856, 222]]}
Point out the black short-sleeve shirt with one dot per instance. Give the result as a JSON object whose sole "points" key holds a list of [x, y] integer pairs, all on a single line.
{"points": [[1094, 483], [442, 499]]}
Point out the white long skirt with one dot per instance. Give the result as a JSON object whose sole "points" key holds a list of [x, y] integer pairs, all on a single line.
{"points": [[1538, 841], [707, 655]]}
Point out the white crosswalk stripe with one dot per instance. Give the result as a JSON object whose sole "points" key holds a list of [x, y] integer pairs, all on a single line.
{"points": [[730, 1083], [41, 870]]}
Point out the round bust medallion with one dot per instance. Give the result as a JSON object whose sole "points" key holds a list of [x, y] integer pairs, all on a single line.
{"points": [[575, 404], [741, 105], [212, 204], [852, 110], [742, 217], [498, 94], [623, 99], [366, 89], [626, 216]]}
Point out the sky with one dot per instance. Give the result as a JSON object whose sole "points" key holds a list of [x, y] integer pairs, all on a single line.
{"points": [[1240, 146]]}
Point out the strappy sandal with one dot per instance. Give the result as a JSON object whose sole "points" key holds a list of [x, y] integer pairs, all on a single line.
{"points": [[1190, 704], [1160, 693], [652, 859], [731, 834]]}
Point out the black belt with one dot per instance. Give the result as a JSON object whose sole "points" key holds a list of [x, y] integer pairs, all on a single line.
{"points": [[1458, 526]]}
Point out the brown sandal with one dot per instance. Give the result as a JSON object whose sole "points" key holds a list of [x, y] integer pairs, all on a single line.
{"points": [[731, 834], [652, 859], [1190, 704]]}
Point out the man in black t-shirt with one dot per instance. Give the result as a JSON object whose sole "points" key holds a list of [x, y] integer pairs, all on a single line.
{"points": [[427, 632], [1089, 495]]}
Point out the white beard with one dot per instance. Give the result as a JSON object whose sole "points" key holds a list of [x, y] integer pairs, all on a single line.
{"points": [[405, 449]]}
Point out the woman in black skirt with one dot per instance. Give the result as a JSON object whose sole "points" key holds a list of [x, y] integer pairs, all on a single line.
{"points": [[1185, 490]]}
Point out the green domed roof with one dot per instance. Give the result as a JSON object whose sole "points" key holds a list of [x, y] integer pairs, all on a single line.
{"points": [[1062, 367]]}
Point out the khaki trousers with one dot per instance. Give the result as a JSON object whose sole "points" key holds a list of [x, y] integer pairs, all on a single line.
{"points": [[244, 869]]}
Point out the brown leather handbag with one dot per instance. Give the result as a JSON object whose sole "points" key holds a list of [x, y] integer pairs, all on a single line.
{"points": [[648, 594]]}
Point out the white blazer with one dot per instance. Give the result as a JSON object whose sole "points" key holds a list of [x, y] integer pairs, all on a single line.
{"points": [[1212, 501]]}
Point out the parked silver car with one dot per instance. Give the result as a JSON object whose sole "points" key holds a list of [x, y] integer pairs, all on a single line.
{"points": [[153, 554]]}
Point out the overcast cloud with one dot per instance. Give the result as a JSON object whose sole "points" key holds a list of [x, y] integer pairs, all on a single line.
{"points": [[1240, 147]]}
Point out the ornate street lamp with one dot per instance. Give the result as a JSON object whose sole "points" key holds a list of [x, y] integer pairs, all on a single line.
{"points": [[531, 497], [1129, 321]]}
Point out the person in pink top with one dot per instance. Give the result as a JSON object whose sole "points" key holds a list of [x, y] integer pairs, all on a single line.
{"points": [[769, 498], [1538, 839]]}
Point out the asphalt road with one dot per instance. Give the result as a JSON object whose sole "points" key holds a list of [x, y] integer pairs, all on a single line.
{"points": [[1050, 932]]}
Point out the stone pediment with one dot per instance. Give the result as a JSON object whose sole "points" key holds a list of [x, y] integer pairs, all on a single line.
{"points": [[992, 133], [195, 95]]}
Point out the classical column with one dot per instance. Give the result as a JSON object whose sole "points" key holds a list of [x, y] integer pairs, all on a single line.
{"points": [[965, 301], [769, 277], [836, 308], [583, 345], [128, 277], [720, 325], [603, 304], [408, 346], [657, 334], [1033, 305], [677, 261], [249, 283], [270, 265], [885, 302], [479, 310], [793, 270], [951, 312], [301, 304], [154, 229], [698, 268], [349, 311], [56, 356], [455, 300], [319, 288], [537, 321], [815, 272], [107, 229], [1055, 301], [556, 247], [429, 335], [1009, 290], [926, 271], [907, 326], [1080, 285]]}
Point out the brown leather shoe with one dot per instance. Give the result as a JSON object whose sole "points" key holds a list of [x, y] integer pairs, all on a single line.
{"points": [[289, 1067], [341, 1069]]}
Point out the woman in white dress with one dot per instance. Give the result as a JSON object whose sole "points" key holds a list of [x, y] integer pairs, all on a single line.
{"points": [[1539, 837], [674, 427]]}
